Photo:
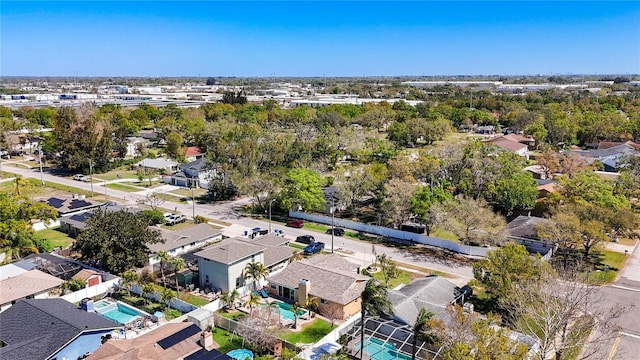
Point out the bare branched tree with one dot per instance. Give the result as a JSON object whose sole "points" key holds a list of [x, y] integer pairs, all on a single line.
{"points": [[565, 317], [154, 199]]}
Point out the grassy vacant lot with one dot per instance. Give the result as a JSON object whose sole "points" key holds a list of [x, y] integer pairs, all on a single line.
{"points": [[57, 238], [404, 277], [612, 263], [310, 333], [187, 192], [444, 234], [33, 188]]}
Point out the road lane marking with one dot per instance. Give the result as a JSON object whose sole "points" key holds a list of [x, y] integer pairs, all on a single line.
{"points": [[614, 348], [625, 288]]}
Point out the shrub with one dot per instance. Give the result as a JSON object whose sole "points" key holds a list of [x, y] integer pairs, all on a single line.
{"points": [[199, 219]]}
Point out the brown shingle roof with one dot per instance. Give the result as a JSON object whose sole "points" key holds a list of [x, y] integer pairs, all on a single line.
{"points": [[23, 285], [179, 238], [85, 274], [230, 251], [507, 144], [333, 284], [145, 346]]}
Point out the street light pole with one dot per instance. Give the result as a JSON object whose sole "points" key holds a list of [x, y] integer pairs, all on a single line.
{"points": [[270, 203]]}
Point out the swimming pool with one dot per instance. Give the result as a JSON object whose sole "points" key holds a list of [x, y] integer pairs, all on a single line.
{"points": [[118, 312], [285, 310], [378, 350], [241, 354]]}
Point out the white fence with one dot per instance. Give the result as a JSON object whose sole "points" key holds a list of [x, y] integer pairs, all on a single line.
{"points": [[91, 291], [393, 233], [174, 303], [333, 336]]}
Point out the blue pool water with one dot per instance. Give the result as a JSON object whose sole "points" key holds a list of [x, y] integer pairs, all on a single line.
{"points": [[241, 354], [285, 311], [378, 350], [117, 312]]}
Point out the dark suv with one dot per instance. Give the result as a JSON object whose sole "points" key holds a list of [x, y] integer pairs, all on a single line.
{"points": [[336, 231], [305, 239]]}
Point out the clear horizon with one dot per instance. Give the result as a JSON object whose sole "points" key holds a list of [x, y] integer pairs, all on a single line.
{"points": [[318, 39]]}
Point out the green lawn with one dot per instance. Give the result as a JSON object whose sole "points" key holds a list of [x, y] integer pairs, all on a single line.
{"points": [[611, 264], [231, 315], [57, 238], [404, 277], [226, 340], [193, 300], [187, 192], [315, 227], [122, 187], [310, 333]]}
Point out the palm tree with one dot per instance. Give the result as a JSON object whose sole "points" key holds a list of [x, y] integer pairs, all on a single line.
{"points": [[166, 296], [147, 289], [255, 271], [311, 303], [270, 306], [127, 279], [422, 329], [230, 298], [254, 300], [295, 308], [374, 303], [164, 257], [177, 263]]}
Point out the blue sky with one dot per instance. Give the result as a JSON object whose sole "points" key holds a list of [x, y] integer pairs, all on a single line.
{"points": [[329, 38]]}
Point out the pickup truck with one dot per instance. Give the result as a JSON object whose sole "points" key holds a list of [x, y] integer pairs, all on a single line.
{"points": [[175, 219], [313, 248]]}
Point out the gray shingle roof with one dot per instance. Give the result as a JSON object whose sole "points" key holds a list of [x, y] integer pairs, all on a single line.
{"points": [[37, 328], [332, 283], [229, 251], [266, 240], [176, 239], [525, 226], [274, 255], [431, 292]]}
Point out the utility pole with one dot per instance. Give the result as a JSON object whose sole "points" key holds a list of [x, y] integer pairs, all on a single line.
{"points": [[270, 203], [333, 211], [91, 175], [193, 204], [40, 155]]}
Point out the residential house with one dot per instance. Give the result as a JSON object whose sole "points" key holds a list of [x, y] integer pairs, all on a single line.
{"points": [[182, 340], [335, 281], [610, 157], [22, 143], [524, 230], [70, 205], [51, 329], [75, 224], [434, 293], [192, 153], [510, 145], [32, 284], [64, 268], [133, 145], [193, 174], [221, 266], [177, 242], [159, 165], [90, 277]]}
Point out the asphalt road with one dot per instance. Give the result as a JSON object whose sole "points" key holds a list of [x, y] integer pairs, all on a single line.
{"points": [[357, 251], [625, 291]]}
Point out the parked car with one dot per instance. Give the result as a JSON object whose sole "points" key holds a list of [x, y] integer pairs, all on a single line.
{"points": [[295, 223], [313, 248], [168, 216], [305, 239], [176, 219], [336, 231], [79, 177]]}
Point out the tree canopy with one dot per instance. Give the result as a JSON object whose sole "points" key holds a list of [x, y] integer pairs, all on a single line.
{"points": [[117, 241]]}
